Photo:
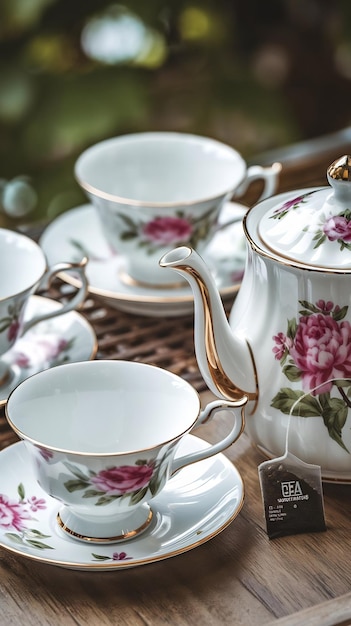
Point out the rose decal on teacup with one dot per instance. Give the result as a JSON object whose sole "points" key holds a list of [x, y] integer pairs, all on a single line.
{"points": [[124, 481], [168, 230], [316, 349]]}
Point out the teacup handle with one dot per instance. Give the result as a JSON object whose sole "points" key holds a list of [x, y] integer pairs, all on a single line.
{"points": [[269, 175], [73, 303], [255, 172], [205, 416]]}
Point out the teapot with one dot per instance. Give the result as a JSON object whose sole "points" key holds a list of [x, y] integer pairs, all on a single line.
{"points": [[287, 343]]}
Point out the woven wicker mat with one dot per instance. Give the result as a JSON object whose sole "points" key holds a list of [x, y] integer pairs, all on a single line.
{"points": [[166, 342]]}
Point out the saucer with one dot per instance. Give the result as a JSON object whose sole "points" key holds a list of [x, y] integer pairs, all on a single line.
{"points": [[195, 506], [77, 233], [64, 339]]}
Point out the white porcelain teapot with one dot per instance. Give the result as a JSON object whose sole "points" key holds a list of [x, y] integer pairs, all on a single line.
{"points": [[287, 345]]}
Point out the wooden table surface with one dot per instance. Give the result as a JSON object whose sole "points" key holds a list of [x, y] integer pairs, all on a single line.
{"points": [[239, 577]]}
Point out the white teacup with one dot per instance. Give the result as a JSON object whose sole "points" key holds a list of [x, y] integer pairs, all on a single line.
{"points": [[157, 190], [102, 437], [23, 270]]}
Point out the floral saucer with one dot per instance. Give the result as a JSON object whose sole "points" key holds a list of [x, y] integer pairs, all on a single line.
{"points": [[195, 506], [63, 339], [77, 233]]}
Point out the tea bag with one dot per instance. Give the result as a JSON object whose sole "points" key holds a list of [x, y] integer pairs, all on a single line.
{"points": [[292, 493]]}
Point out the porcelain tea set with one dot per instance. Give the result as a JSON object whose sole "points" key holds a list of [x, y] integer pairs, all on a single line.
{"points": [[280, 365]]}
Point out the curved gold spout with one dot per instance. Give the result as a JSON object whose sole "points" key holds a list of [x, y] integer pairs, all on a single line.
{"points": [[221, 380], [223, 355]]}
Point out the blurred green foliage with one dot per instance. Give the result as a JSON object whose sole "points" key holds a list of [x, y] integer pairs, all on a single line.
{"points": [[256, 75]]}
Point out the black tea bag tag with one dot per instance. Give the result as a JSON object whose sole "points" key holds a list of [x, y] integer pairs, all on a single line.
{"points": [[292, 496]]}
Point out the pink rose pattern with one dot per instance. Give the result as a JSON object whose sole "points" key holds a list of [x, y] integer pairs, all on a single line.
{"points": [[34, 350], [290, 205], [15, 516], [332, 228], [168, 231], [316, 350], [335, 228], [126, 481]]}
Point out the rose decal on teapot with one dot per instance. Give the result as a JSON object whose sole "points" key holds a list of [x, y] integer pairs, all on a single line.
{"points": [[316, 350], [290, 205], [331, 228], [335, 228]]}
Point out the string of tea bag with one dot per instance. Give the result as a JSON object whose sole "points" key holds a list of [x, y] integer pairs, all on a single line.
{"points": [[292, 489]]}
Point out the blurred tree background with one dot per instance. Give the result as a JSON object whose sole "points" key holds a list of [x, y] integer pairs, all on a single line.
{"points": [[256, 75]]}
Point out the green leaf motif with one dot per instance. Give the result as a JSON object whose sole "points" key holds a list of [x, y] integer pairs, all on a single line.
{"points": [[343, 382], [77, 472], [137, 496], [306, 405], [334, 413], [320, 238], [15, 538], [340, 314], [106, 500], [6, 322], [346, 214], [75, 485], [100, 557], [128, 235], [133, 227], [39, 545], [36, 533], [344, 244], [21, 492], [91, 493], [308, 308], [25, 541], [292, 327], [292, 372]]}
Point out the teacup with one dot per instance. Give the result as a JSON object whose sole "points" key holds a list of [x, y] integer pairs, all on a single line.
{"points": [[157, 190], [23, 271], [102, 436]]}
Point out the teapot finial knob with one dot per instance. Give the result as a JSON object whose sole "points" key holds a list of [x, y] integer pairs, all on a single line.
{"points": [[341, 168], [339, 173]]}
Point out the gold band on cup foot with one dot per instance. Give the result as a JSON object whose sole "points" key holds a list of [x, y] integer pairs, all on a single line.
{"points": [[123, 536]]}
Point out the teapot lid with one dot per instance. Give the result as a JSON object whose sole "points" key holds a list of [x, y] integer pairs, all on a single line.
{"points": [[314, 226]]}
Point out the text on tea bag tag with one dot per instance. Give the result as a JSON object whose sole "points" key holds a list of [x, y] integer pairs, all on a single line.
{"points": [[292, 493]]}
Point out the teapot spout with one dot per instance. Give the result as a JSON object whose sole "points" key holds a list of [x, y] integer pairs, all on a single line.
{"points": [[222, 355]]}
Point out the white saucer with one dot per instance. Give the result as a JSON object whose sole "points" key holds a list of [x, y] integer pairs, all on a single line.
{"points": [[77, 233], [63, 339], [196, 505]]}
